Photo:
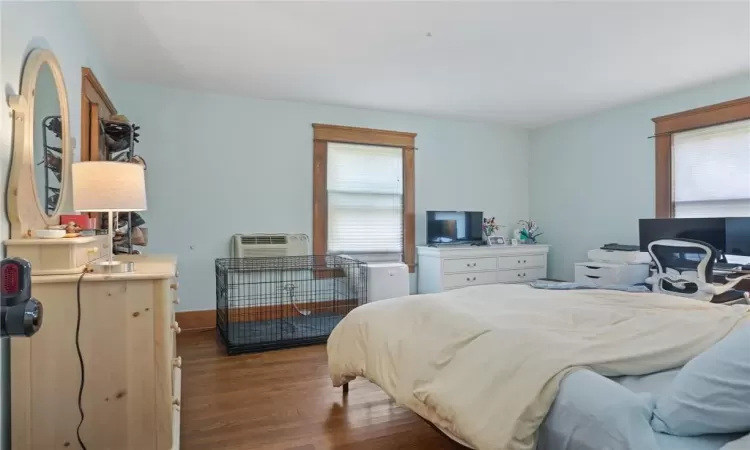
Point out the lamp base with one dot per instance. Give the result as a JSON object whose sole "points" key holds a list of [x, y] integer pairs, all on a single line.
{"points": [[106, 267]]}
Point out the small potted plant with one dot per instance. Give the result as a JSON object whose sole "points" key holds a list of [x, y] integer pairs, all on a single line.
{"points": [[529, 231]]}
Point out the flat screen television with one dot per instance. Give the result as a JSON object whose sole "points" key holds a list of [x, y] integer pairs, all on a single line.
{"points": [[454, 227]]}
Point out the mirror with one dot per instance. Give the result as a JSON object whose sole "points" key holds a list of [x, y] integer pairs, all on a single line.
{"points": [[48, 139], [37, 190]]}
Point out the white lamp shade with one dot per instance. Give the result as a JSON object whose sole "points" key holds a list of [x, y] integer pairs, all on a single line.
{"points": [[108, 186]]}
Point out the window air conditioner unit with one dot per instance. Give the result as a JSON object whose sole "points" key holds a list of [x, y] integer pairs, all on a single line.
{"points": [[259, 245]]}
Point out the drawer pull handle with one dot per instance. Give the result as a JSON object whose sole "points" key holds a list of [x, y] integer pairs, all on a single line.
{"points": [[519, 274], [593, 276], [176, 327], [471, 265], [176, 401], [519, 261], [524, 274], [93, 250], [592, 267], [468, 279], [177, 362], [524, 261], [471, 278], [173, 286], [176, 300]]}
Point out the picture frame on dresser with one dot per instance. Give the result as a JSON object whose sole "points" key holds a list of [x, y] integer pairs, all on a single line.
{"points": [[444, 268], [495, 240]]}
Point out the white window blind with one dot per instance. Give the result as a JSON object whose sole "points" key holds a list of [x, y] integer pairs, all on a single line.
{"points": [[711, 171], [365, 199]]}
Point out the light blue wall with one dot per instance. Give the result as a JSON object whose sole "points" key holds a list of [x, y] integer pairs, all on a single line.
{"points": [[219, 165], [24, 26], [592, 178]]}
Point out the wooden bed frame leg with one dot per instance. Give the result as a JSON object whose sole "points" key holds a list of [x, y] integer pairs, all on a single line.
{"points": [[345, 388]]}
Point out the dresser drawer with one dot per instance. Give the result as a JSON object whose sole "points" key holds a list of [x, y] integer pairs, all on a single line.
{"points": [[521, 275], [455, 280], [58, 256], [176, 381], [603, 274], [174, 294], [469, 265], [176, 406], [85, 254], [521, 261]]}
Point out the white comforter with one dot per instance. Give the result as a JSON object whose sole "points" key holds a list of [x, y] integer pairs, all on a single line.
{"points": [[484, 363]]}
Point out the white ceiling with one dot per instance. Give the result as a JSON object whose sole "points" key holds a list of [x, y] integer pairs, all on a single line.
{"points": [[524, 63]]}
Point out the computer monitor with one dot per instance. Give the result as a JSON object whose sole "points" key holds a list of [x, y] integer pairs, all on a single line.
{"points": [[738, 236], [710, 230]]}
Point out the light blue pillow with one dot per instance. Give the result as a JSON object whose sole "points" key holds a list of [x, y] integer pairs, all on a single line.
{"points": [[592, 411], [711, 393]]}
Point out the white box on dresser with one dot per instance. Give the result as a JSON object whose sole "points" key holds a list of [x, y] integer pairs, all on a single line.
{"points": [[451, 267]]}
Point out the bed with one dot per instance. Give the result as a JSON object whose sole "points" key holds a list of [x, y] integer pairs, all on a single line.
{"points": [[484, 364]]}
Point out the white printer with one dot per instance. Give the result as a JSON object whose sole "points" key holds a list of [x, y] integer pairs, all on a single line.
{"points": [[613, 267]]}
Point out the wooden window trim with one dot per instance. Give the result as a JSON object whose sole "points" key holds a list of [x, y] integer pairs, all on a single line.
{"points": [[666, 126], [322, 135]]}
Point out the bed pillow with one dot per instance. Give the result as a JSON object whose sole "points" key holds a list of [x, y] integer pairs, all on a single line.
{"points": [[742, 443], [711, 393], [592, 411]]}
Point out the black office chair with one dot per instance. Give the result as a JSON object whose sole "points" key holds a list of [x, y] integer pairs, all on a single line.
{"points": [[684, 268]]}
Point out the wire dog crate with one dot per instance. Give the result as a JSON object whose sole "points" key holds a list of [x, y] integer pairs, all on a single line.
{"points": [[282, 302]]}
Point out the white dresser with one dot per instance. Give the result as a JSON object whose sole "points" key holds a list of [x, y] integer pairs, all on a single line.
{"points": [[451, 267]]}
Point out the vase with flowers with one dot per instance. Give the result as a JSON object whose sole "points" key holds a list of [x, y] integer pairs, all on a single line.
{"points": [[489, 227], [530, 231]]}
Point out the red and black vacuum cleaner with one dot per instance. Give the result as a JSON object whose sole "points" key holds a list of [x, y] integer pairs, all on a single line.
{"points": [[20, 313]]}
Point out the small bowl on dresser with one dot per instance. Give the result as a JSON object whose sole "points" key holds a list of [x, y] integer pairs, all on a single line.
{"points": [[48, 234]]}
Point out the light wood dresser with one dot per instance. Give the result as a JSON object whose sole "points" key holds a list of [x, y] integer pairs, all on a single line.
{"points": [[452, 267], [127, 336]]}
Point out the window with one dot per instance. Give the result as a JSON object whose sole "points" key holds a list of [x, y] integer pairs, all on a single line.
{"points": [[703, 161], [711, 170], [365, 199], [363, 193]]}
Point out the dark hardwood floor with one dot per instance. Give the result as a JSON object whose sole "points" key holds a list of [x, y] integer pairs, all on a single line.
{"points": [[284, 400]]}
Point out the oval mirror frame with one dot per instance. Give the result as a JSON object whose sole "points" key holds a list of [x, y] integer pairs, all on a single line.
{"points": [[25, 213]]}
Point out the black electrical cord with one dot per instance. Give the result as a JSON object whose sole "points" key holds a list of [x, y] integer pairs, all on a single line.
{"points": [[80, 360]]}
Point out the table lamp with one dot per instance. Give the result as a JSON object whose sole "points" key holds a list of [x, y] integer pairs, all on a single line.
{"points": [[108, 186]]}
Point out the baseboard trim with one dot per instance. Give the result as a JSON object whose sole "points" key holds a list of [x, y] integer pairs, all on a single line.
{"points": [[196, 320]]}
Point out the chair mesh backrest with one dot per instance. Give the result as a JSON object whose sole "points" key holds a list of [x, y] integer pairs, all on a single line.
{"points": [[683, 267]]}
